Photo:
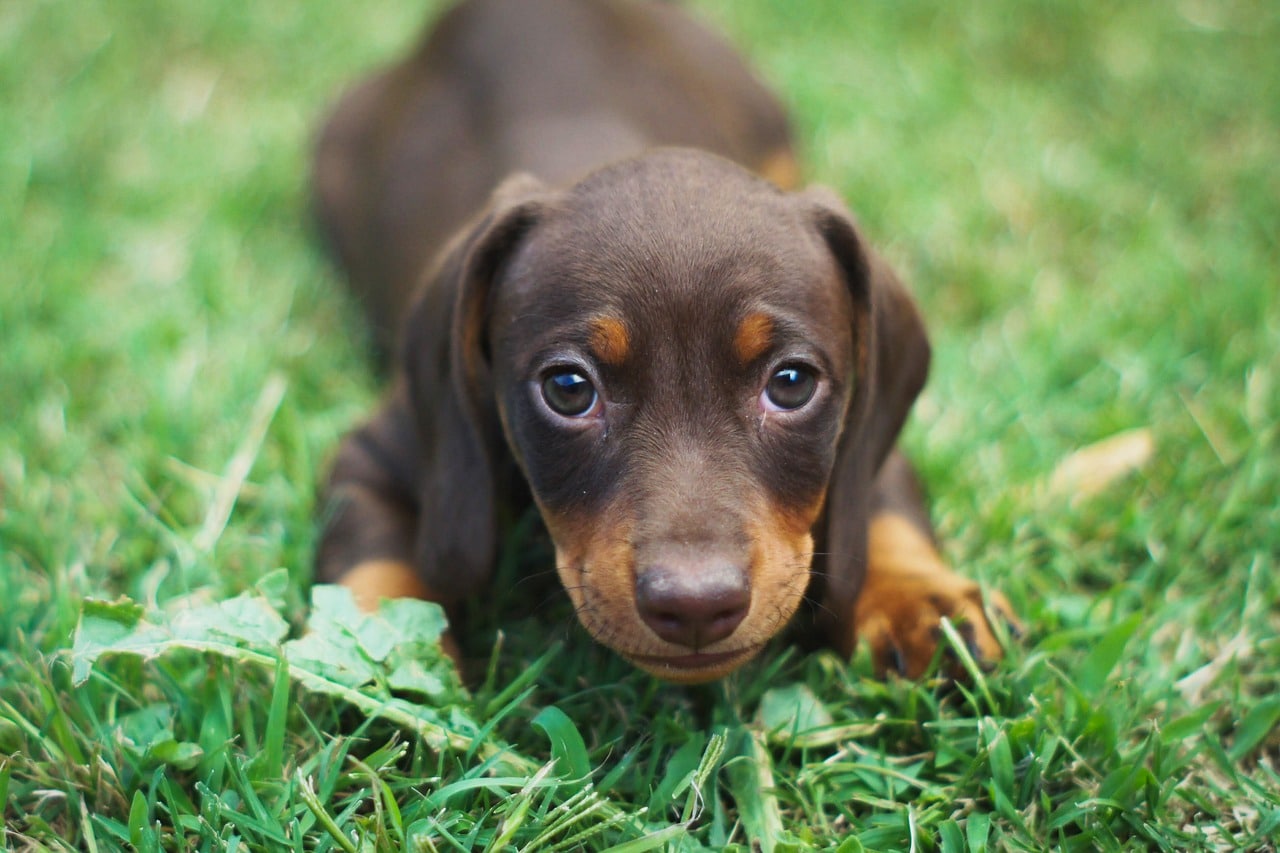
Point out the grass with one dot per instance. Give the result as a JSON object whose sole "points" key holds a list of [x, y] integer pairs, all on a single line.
{"points": [[1086, 199]]}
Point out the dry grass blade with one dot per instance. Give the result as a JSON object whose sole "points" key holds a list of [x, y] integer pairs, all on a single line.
{"points": [[224, 497], [1090, 470]]}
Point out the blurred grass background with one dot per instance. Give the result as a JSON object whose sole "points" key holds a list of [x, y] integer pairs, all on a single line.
{"points": [[1085, 197]]}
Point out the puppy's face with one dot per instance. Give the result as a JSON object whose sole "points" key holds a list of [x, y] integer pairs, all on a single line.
{"points": [[673, 354]]}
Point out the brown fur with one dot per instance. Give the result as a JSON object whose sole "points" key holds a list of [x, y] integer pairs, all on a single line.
{"points": [[691, 513]]}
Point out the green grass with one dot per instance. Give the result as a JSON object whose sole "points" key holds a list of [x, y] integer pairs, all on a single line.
{"points": [[1087, 200]]}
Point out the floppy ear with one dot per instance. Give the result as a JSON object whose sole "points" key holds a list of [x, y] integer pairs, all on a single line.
{"points": [[446, 364], [892, 361]]}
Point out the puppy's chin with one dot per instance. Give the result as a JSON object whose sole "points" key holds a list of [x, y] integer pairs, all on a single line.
{"points": [[698, 668]]}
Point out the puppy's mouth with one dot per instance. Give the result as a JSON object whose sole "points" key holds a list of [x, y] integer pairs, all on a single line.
{"points": [[696, 667]]}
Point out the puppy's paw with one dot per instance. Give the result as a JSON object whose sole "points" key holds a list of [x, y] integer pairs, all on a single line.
{"points": [[907, 592], [902, 622]]}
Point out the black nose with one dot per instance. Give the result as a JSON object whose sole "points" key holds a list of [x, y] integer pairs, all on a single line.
{"points": [[693, 605]]}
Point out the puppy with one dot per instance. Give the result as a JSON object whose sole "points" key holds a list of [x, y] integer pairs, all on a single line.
{"points": [[575, 216]]}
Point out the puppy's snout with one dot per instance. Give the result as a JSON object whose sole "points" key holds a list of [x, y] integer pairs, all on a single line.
{"points": [[693, 605]]}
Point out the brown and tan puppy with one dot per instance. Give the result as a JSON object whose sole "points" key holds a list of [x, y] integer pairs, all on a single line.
{"points": [[570, 218]]}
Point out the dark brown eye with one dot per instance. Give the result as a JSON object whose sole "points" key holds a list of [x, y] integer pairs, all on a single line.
{"points": [[569, 393], [790, 387]]}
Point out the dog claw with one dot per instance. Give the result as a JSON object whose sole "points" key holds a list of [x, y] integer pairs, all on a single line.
{"points": [[899, 660], [970, 637], [1003, 610]]}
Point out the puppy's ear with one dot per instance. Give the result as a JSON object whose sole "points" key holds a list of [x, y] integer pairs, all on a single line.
{"points": [[446, 363], [892, 362]]}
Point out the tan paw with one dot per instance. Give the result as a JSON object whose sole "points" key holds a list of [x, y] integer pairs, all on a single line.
{"points": [[907, 592]]}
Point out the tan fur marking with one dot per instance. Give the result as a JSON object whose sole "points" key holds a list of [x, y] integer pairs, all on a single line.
{"points": [[781, 559], [798, 521], [374, 580], [754, 335], [610, 341], [894, 541], [781, 169], [596, 563]]}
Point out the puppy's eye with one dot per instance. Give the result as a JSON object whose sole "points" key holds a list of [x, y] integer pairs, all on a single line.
{"points": [[790, 387], [569, 393]]}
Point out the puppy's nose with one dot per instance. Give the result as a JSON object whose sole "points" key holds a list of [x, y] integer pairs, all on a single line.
{"points": [[693, 606]]}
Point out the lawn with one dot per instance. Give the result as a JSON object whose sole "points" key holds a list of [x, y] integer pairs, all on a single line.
{"points": [[1085, 197]]}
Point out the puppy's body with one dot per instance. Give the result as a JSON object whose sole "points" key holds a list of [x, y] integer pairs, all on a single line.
{"points": [[697, 377], [551, 88]]}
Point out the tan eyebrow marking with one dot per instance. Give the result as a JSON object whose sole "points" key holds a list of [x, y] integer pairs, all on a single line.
{"points": [[755, 334], [609, 341]]}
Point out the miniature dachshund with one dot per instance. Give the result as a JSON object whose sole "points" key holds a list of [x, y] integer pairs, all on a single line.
{"points": [[575, 228]]}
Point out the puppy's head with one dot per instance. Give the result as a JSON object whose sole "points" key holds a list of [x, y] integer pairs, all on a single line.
{"points": [[674, 351]]}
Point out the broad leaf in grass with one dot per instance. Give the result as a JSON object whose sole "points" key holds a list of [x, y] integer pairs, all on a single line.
{"points": [[792, 710], [334, 612], [414, 621], [107, 626], [247, 620], [414, 677], [120, 627], [417, 664], [362, 659], [353, 647]]}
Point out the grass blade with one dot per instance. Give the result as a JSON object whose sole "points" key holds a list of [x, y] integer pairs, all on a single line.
{"points": [[1092, 674], [567, 745]]}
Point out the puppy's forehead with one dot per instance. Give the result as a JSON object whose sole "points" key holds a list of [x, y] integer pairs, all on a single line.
{"points": [[677, 216], [670, 234]]}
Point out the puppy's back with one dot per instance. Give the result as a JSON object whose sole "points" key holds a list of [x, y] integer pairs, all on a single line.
{"points": [[550, 87]]}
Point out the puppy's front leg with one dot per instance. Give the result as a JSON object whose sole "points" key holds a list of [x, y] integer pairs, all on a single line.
{"points": [[371, 510], [372, 514], [908, 588]]}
